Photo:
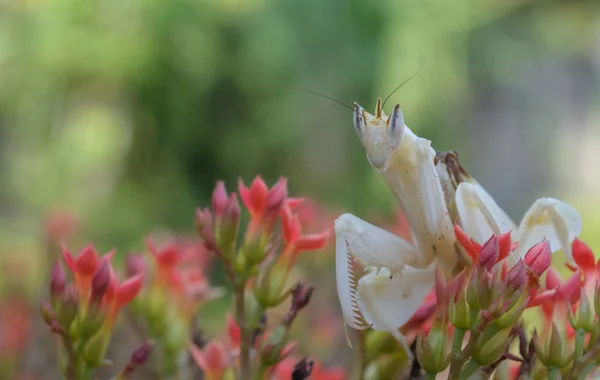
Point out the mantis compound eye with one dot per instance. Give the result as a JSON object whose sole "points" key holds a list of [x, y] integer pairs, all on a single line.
{"points": [[359, 120], [396, 125]]}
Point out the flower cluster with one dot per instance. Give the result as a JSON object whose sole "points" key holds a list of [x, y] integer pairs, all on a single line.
{"points": [[176, 286], [258, 263], [83, 312], [168, 284]]}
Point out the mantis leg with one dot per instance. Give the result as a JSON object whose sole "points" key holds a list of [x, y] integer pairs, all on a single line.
{"points": [[549, 219], [387, 304], [387, 296]]}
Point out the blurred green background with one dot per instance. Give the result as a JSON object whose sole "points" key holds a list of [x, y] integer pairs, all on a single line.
{"points": [[124, 113]]}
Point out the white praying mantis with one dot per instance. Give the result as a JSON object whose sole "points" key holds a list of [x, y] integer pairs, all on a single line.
{"points": [[433, 192]]}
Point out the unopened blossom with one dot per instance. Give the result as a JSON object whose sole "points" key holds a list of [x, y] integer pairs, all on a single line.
{"points": [[262, 203], [270, 285], [213, 359], [84, 266], [585, 261]]}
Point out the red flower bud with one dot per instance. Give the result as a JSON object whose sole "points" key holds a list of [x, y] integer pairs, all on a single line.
{"points": [[516, 278], [274, 202], [100, 283], [219, 199], [489, 253], [254, 198], [69, 307], [57, 281], [583, 255], [300, 298], [138, 358], [203, 218], [205, 228], [539, 258], [129, 289], [227, 226], [87, 261]]}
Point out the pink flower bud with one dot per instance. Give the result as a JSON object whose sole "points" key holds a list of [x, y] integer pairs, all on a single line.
{"points": [[69, 307], [539, 258], [212, 359], [203, 218], [254, 198], [48, 313], [57, 281], [205, 227], [300, 298], [219, 199], [489, 253], [583, 255], [100, 283], [87, 261], [129, 289], [516, 278], [232, 211], [138, 358], [227, 226], [274, 202]]}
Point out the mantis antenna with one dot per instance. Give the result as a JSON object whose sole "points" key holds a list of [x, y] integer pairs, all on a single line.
{"points": [[326, 97], [330, 98], [400, 85]]}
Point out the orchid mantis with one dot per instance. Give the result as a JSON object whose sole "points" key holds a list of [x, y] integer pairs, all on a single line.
{"points": [[433, 192]]}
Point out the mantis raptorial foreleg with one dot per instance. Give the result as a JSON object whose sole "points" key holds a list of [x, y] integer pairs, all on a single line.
{"points": [[388, 296]]}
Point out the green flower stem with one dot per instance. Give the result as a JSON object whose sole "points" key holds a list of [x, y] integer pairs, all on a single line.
{"points": [[240, 311], [73, 357], [469, 369], [430, 376], [578, 359], [458, 359], [258, 375]]}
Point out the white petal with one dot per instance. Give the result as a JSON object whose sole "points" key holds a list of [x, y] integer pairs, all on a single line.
{"points": [[389, 303], [549, 219], [376, 248], [479, 215]]}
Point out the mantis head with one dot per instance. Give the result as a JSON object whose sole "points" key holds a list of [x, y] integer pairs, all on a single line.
{"points": [[379, 134]]}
